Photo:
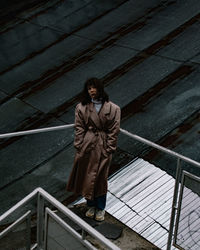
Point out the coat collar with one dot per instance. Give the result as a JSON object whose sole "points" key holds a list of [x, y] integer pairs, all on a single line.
{"points": [[105, 109], [95, 117]]}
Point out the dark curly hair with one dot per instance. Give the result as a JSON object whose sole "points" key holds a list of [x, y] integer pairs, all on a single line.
{"points": [[97, 83]]}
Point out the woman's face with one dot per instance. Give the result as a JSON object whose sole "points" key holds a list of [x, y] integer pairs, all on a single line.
{"points": [[93, 93]]}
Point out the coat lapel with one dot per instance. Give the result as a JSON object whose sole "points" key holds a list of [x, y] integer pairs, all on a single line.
{"points": [[98, 118], [105, 109], [94, 115]]}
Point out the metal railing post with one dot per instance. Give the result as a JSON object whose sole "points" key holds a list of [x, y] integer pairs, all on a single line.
{"points": [[28, 232], [40, 222], [83, 234], [40, 208], [174, 203], [46, 224]]}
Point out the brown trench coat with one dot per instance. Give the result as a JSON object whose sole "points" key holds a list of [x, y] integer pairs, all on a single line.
{"points": [[95, 141]]}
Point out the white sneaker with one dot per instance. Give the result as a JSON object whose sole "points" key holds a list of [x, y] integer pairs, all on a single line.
{"points": [[90, 213], [100, 215]]}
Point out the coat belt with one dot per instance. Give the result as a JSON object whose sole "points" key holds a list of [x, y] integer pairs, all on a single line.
{"points": [[95, 130]]}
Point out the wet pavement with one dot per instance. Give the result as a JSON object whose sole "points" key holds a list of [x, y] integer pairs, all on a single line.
{"points": [[146, 52]]}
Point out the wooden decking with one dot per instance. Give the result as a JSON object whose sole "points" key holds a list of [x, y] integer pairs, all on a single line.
{"points": [[140, 196]]}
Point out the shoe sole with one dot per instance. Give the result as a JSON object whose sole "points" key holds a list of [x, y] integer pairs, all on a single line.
{"points": [[100, 219], [90, 216]]}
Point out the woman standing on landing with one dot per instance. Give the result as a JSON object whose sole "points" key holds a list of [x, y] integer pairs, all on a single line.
{"points": [[97, 124]]}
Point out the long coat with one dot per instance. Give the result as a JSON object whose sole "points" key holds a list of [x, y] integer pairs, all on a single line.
{"points": [[95, 141]]}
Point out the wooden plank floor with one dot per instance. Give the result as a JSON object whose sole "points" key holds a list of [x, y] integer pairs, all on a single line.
{"points": [[140, 196]]}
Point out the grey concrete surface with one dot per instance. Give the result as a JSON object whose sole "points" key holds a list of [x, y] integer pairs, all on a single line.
{"points": [[70, 83], [166, 19], [185, 46], [196, 59], [28, 153], [167, 111], [152, 70], [2, 95], [13, 108]]}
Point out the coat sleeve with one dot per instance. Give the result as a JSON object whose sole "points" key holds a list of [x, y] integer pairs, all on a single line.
{"points": [[80, 129], [113, 131]]}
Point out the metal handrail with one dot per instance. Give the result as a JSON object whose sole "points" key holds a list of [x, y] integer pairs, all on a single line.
{"points": [[76, 219], [178, 156], [26, 217], [66, 211], [19, 204], [136, 137], [79, 237], [36, 131], [161, 148], [15, 224]]}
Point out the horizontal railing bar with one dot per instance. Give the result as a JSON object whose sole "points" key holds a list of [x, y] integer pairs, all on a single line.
{"points": [[19, 204], [64, 210], [161, 148], [136, 137], [36, 131], [76, 219], [15, 224], [186, 173]]}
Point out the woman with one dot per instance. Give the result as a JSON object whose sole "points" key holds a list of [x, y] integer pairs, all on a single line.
{"points": [[97, 124]]}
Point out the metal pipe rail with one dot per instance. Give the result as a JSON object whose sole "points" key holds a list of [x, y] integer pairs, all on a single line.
{"points": [[26, 217], [178, 156], [42, 194], [161, 148], [123, 131], [79, 237], [35, 131]]}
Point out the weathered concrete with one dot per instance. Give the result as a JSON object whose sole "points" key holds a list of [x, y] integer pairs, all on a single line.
{"points": [[146, 52]]}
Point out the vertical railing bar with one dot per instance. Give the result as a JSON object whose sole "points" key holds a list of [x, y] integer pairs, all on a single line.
{"points": [[179, 207], [83, 234], [28, 232], [185, 174], [40, 218], [46, 229], [174, 203], [40, 226], [89, 229]]}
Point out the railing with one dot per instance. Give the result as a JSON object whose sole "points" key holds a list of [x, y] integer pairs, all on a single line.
{"points": [[187, 229], [26, 217], [179, 158], [42, 229], [36, 131]]}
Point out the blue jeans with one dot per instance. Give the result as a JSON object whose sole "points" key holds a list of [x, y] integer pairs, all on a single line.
{"points": [[98, 202]]}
